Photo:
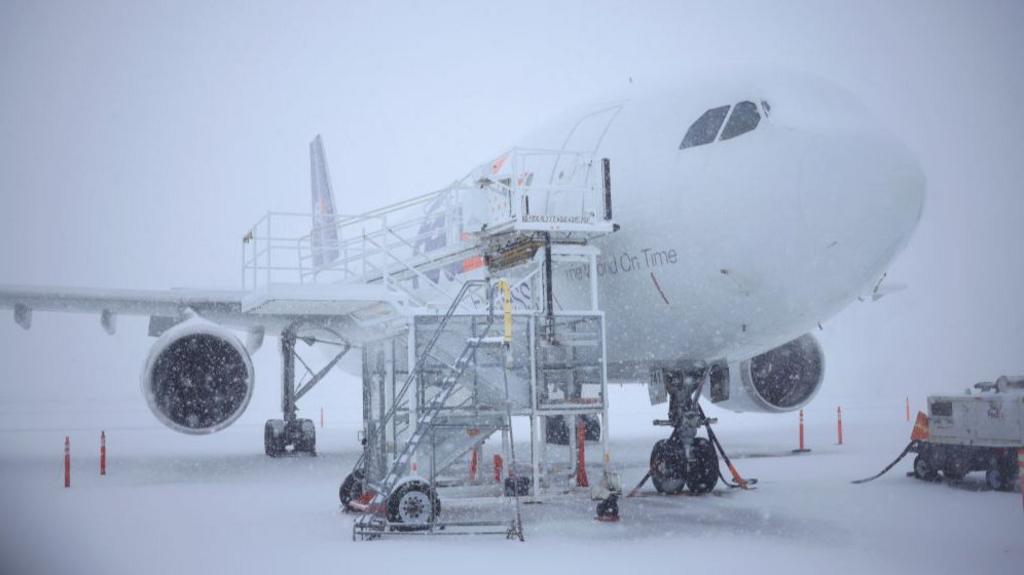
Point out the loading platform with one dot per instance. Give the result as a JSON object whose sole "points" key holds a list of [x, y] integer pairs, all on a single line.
{"points": [[468, 323]]}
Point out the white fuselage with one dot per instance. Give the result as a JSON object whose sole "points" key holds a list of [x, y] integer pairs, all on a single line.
{"points": [[732, 248]]}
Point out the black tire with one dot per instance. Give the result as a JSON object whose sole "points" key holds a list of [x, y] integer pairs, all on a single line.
{"points": [[995, 480], [351, 488], [923, 468], [307, 437], [668, 467], [414, 506], [702, 475], [273, 437], [954, 469], [1002, 472]]}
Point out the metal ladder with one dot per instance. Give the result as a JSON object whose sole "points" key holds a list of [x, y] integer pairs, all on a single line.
{"points": [[430, 411]]}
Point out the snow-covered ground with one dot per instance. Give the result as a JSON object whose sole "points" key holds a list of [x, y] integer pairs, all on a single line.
{"points": [[216, 504]]}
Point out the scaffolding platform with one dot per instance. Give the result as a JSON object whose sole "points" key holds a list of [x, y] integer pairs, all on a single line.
{"points": [[450, 358]]}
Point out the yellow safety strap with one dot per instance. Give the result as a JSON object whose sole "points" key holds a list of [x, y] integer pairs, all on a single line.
{"points": [[506, 294]]}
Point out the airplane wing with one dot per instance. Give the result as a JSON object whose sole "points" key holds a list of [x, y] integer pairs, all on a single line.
{"points": [[273, 308], [121, 301]]}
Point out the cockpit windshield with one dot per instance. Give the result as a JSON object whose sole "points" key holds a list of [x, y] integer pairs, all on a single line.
{"points": [[704, 130], [744, 117]]}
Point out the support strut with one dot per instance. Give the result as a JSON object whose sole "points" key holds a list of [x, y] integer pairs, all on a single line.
{"points": [[292, 434], [549, 292]]}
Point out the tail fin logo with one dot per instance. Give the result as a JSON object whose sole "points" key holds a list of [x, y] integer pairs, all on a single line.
{"points": [[324, 235]]}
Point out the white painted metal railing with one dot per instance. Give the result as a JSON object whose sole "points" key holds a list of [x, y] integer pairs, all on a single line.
{"points": [[412, 244]]}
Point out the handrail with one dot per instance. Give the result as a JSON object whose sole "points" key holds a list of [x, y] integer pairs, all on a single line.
{"points": [[335, 247], [381, 432]]}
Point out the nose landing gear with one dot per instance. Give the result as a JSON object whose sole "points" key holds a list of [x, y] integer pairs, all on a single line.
{"points": [[683, 460]]}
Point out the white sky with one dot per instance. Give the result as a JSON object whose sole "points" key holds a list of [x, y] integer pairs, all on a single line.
{"points": [[138, 141]]}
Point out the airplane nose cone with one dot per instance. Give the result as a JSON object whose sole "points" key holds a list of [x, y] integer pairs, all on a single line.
{"points": [[862, 196]]}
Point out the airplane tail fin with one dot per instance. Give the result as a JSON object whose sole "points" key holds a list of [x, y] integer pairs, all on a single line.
{"points": [[324, 234]]}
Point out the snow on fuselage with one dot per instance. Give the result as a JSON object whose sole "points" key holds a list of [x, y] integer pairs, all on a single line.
{"points": [[736, 246]]}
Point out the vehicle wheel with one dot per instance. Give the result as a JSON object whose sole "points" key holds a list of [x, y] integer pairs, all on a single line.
{"points": [[273, 437], [954, 469], [351, 488], [1002, 471], [703, 474], [414, 505], [995, 480], [923, 468], [307, 437], [668, 467]]}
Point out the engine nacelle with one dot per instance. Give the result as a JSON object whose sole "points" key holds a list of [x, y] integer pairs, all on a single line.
{"points": [[198, 378], [783, 379]]}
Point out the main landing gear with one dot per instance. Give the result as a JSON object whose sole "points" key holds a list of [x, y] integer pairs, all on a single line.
{"points": [[292, 434], [683, 461]]}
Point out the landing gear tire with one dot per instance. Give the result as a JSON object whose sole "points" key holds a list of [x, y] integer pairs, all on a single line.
{"points": [[703, 474], [923, 468], [668, 467], [413, 506], [305, 441], [274, 437], [351, 488]]}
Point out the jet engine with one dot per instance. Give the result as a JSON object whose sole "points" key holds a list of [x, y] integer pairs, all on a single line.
{"points": [[198, 378], [783, 379]]}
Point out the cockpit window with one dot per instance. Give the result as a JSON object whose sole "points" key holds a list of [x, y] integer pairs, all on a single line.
{"points": [[744, 118], [704, 130]]}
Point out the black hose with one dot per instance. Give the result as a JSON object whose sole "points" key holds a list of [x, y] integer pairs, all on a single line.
{"points": [[910, 447]]}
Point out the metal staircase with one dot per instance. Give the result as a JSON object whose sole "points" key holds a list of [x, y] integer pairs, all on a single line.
{"points": [[450, 423], [400, 401], [430, 412]]}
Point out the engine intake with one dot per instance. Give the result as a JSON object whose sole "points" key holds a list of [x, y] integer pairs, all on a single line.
{"points": [[198, 378], [783, 379]]}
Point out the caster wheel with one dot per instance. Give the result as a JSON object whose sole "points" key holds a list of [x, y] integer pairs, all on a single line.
{"points": [[703, 474], [273, 437], [414, 505], [668, 467], [351, 488]]}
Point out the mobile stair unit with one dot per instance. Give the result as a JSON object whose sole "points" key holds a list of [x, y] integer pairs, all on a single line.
{"points": [[491, 315]]}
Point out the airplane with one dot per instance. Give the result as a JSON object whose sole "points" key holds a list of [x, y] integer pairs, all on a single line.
{"points": [[748, 208]]}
